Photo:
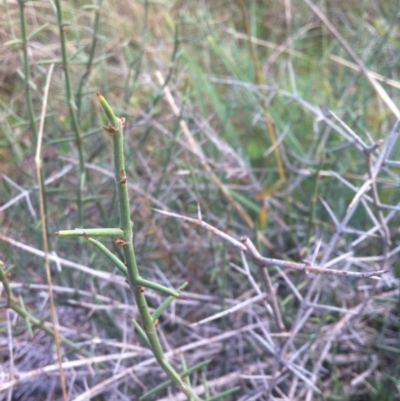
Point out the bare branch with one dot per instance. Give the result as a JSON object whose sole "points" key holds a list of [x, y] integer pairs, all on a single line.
{"points": [[248, 247]]}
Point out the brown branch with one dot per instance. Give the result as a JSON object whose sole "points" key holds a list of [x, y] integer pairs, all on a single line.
{"points": [[245, 245]]}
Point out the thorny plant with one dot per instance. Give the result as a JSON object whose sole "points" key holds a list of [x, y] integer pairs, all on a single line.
{"points": [[322, 332], [124, 240]]}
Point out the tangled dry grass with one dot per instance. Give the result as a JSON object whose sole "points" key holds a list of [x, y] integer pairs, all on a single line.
{"points": [[199, 142]]}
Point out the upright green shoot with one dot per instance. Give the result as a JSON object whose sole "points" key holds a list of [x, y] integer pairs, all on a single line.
{"points": [[89, 64], [72, 108], [129, 266], [115, 128]]}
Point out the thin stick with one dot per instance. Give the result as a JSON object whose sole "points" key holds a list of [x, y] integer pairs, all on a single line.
{"points": [[112, 278], [62, 26], [10, 350], [370, 78], [27, 71], [197, 151], [28, 87], [264, 107], [247, 246], [355, 67], [89, 64], [384, 229], [235, 308], [38, 162]]}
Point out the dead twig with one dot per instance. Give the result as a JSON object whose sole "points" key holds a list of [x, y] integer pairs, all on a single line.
{"points": [[245, 245]]}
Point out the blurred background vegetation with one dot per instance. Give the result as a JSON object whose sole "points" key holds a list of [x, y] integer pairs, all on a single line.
{"points": [[227, 86]]}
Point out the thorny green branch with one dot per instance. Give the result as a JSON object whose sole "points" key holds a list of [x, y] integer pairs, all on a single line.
{"points": [[125, 241], [12, 304]]}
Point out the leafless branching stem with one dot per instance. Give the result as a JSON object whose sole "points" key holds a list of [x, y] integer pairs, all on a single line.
{"points": [[245, 245]]}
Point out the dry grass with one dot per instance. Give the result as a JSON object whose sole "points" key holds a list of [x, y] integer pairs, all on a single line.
{"points": [[339, 207]]}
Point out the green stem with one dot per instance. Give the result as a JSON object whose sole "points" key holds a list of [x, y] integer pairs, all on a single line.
{"points": [[141, 332], [115, 127], [167, 383], [158, 287], [314, 199], [140, 282], [129, 88], [30, 319], [114, 259], [157, 313], [89, 63], [72, 108], [91, 232]]}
